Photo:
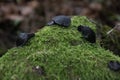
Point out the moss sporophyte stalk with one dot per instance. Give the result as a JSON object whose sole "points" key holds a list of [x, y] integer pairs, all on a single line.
{"points": [[58, 53]]}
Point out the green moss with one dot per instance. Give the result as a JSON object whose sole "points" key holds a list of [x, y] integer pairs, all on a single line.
{"points": [[63, 55]]}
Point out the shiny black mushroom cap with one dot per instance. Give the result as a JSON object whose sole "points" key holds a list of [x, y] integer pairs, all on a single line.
{"points": [[22, 38], [114, 65], [87, 33], [80, 28], [61, 20]]}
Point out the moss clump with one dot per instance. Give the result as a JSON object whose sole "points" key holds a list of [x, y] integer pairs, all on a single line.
{"points": [[58, 54]]}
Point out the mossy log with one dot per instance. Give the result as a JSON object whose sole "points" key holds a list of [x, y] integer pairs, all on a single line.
{"points": [[58, 53]]}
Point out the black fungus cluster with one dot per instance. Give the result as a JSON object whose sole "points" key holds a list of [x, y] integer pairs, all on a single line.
{"points": [[87, 33], [65, 21]]}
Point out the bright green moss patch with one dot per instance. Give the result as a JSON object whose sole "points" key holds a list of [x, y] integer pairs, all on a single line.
{"points": [[61, 53]]}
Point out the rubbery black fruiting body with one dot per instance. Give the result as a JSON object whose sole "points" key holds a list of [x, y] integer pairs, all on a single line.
{"points": [[61, 20], [87, 33], [23, 38], [114, 65]]}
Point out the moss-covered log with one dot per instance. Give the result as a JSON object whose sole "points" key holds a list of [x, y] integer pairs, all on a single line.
{"points": [[58, 53]]}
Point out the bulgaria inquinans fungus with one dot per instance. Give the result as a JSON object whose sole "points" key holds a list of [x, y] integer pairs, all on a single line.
{"points": [[87, 33], [61, 20], [114, 65], [23, 38]]}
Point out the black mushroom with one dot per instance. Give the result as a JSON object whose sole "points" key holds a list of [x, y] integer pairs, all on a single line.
{"points": [[87, 33], [61, 20], [23, 38], [114, 65]]}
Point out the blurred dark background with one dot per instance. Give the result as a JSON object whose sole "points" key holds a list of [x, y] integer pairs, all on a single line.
{"points": [[30, 15]]}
